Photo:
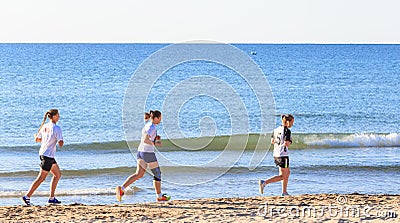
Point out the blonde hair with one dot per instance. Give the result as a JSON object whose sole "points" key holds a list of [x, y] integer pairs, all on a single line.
{"points": [[48, 114]]}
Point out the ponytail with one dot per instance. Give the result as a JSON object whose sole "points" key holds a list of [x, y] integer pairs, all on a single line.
{"points": [[147, 116], [48, 114], [44, 120]]}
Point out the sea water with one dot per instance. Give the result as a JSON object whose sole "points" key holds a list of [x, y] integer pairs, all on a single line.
{"points": [[345, 99]]}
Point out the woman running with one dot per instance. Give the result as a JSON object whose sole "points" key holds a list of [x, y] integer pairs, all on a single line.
{"points": [[147, 158], [281, 139], [48, 135]]}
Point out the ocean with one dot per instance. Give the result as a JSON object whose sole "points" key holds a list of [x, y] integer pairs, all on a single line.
{"points": [[345, 99]]}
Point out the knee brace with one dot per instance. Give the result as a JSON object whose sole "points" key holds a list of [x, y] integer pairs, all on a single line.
{"points": [[156, 173]]}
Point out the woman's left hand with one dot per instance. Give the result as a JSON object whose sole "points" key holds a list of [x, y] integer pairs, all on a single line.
{"points": [[158, 143]]}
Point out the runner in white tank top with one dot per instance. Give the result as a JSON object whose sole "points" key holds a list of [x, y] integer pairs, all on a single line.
{"points": [[48, 135]]}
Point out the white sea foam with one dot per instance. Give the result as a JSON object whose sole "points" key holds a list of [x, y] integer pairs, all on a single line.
{"points": [[80, 192], [358, 140]]}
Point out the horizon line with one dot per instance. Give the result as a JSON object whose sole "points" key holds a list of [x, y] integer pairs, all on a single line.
{"points": [[140, 42]]}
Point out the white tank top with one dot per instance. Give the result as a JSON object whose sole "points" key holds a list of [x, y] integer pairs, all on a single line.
{"points": [[148, 129]]}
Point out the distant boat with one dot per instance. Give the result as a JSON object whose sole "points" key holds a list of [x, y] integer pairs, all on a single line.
{"points": [[253, 53]]}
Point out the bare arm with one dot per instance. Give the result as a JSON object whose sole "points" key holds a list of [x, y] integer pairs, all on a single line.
{"points": [[37, 139], [288, 143], [148, 141]]}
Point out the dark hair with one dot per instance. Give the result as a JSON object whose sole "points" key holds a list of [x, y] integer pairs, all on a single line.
{"points": [[287, 117], [155, 114], [146, 116], [48, 114]]}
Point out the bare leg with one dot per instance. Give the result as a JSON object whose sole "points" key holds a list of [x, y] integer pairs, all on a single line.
{"points": [[39, 180], [275, 178], [157, 186], [55, 170], [285, 180], [140, 170]]}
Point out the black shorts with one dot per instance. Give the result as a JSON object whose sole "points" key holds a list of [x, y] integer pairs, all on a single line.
{"points": [[47, 162], [282, 162]]}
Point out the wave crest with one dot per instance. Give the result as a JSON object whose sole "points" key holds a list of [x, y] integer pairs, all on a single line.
{"points": [[218, 143]]}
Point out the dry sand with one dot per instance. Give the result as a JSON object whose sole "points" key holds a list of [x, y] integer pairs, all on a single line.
{"points": [[303, 208]]}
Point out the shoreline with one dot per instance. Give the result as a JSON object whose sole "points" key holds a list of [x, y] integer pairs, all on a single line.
{"points": [[307, 207]]}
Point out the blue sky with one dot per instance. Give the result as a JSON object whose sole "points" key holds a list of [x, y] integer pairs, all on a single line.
{"points": [[172, 21]]}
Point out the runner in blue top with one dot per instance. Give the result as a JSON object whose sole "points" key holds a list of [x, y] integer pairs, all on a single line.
{"points": [[281, 139], [48, 135], [147, 158]]}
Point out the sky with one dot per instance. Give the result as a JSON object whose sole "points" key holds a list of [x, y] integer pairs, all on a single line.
{"points": [[174, 21]]}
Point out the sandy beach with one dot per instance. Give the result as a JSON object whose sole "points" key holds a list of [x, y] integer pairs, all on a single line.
{"points": [[302, 208]]}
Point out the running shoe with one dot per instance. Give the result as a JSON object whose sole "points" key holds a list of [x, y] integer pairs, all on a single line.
{"points": [[54, 201], [164, 197], [284, 194], [119, 193], [261, 185], [26, 200]]}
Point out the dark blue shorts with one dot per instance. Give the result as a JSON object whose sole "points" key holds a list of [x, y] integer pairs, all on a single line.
{"points": [[147, 157]]}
